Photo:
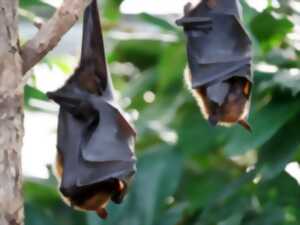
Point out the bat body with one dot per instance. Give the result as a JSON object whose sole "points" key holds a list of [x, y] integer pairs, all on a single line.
{"points": [[95, 159], [219, 61]]}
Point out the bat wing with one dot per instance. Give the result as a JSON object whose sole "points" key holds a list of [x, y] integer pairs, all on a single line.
{"points": [[95, 140], [222, 51], [109, 141], [203, 74], [92, 50], [94, 148]]}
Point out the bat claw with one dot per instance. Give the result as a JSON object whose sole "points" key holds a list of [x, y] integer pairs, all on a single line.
{"points": [[102, 213], [245, 125]]}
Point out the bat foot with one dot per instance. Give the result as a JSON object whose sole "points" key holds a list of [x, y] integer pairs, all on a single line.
{"points": [[102, 213], [245, 125]]}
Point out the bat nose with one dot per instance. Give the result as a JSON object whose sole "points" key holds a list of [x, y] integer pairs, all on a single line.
{"points": [[213, 121]]}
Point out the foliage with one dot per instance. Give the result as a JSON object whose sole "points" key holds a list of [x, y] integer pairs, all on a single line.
{"points": [[188, 172]]}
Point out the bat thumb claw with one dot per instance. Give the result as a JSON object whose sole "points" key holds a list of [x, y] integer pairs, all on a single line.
{"points": [[102, 213], [246, 125]]}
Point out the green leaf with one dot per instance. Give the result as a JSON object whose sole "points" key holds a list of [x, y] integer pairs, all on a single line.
{"points": [[196, 136], [33, 93], [43, 206], [172, 216], [29, 3], [269, 30], [159, 172], [279, 150], [265, 123], [30, 16], [142, 53], [111, 9], [288, 80], [159, 22], [171, 68]]}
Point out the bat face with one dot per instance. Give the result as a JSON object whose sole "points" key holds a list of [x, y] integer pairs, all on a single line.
{"points": [[91, 198], [95, 160], [232, 110], [219, 61], [229, 106]]}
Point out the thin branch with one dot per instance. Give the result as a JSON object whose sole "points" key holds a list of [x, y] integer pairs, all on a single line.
{"points": [[51, 32]]}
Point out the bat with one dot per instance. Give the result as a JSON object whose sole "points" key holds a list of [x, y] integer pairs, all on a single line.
{"points": [[95, 160], [219, 56]]}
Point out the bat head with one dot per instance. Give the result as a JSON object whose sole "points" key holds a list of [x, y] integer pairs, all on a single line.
{"points": [[226, 103], [96, 197], [92, 197]]}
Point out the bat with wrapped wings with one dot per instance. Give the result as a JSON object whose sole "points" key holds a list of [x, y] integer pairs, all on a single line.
{"points": [[95, 159], [219, 61]]}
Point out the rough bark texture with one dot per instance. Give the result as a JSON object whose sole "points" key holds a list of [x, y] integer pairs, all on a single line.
{"points": [[12, 68], [11, 116], [51, 32]]}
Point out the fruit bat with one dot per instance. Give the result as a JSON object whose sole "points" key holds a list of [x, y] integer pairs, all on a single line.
{"points": [[95, 159], [219, 61]]}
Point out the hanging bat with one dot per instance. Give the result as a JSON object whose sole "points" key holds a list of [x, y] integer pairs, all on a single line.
{"points": [[95, 159], [219, 61]]}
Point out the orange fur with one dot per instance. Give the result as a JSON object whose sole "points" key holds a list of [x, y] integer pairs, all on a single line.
{"points": [[96, 203], [235, 108]]}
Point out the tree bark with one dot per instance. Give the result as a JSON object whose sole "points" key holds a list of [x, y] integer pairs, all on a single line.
{"points": [[51, 32], [11, 116], [12, 67]]}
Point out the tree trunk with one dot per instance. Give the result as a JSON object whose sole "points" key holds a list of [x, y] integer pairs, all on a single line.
{"points": [[11, 116]]}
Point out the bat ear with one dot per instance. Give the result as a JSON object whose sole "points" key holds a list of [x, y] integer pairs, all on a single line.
{"points": [[61, 98], [244, 123], [74, 105], [187, 8], [92, 50]]}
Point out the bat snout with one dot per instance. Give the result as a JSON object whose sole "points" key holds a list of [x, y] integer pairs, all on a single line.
{"points": [[213, 121]]}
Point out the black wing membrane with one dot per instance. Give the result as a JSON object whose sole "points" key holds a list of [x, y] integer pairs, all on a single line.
{"points": [[92, 50], [219, 55], [221, 52], [95, 140]]}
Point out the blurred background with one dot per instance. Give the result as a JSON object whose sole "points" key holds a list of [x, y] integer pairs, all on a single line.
{"points": [[188, 172]]}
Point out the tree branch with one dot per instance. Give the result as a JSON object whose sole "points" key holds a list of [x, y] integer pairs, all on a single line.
{"points": [[51, 32]]}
